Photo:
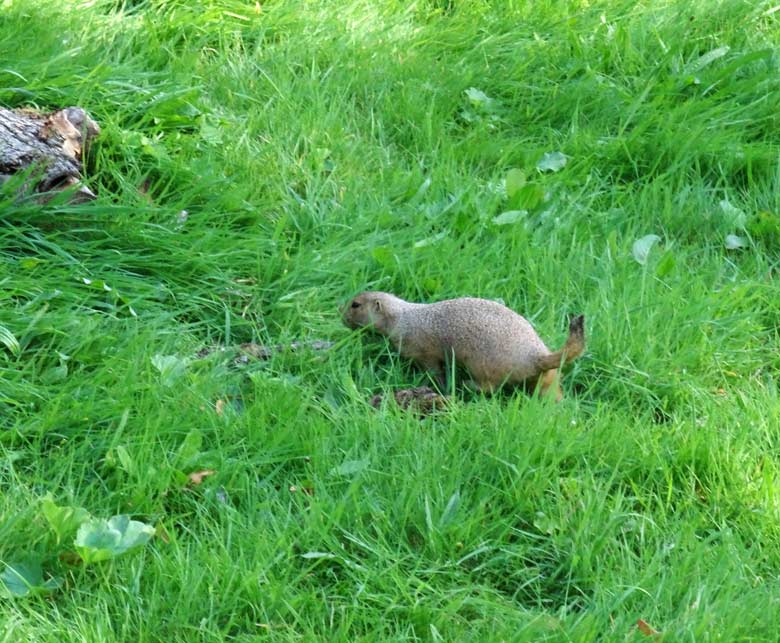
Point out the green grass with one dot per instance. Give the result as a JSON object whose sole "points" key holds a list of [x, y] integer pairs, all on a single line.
{"points": [[314, 146]]}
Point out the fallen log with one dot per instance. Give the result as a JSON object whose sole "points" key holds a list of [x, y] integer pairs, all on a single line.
{"points": [[422, 399], [262, 352], [51, 147]]}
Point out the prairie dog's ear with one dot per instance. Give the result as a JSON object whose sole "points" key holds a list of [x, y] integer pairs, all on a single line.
{"points": [[378, 306]]}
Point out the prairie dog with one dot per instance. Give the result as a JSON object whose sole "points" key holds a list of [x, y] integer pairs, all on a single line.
{"points": [[495, 344]]}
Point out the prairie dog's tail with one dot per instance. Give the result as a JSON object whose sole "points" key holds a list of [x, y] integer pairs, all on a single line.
{"points": [[572, 349]]}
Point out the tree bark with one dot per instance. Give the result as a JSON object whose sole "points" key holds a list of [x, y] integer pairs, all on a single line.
{"points": [[52, 145]]}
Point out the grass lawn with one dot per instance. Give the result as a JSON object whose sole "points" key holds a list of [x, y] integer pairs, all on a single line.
{"points": [[514, 150]]}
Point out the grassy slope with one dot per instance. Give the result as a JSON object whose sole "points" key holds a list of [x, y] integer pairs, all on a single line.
{"points": [[313, 146]]}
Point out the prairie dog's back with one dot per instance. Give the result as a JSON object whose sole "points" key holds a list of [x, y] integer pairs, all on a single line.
{"points": [[484, 335]]}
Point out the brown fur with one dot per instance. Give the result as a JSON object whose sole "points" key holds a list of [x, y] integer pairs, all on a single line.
{"points": [[495, 344]]}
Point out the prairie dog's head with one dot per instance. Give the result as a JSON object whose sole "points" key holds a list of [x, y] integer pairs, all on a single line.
{"points": [[372, 309]]}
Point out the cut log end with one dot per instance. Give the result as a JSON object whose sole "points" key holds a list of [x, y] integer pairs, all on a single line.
{"points": [[51, 146]]}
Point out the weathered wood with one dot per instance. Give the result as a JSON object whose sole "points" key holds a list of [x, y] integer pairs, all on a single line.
{"points": [[422, 399], [262, 352], [51, 145]]}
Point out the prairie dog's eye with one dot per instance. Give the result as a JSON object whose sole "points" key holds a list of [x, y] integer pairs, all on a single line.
{"points": [[355, 304]]}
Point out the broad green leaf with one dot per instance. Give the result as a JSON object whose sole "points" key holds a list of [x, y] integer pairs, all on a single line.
{"points": [[450, 510], [26, 579], [189, 449], [510, 216], [211, 130], [478, 98], [734, 242], [552, 162], [63, 520], [171, 367], [431, 284], [99, 539], [733, 214], [706, 59], [119, 457], [514, 181], [666, 264], [350, 467], [545, 523], [528, 197], [55, 374], [383, 256], [641, 248], [30, 263], [126, 461], [469, 116], [417, 197]]}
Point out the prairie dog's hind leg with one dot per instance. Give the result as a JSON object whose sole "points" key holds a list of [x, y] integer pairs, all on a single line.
{"points": [[485, 385], [435, 367], [548, 384]]}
